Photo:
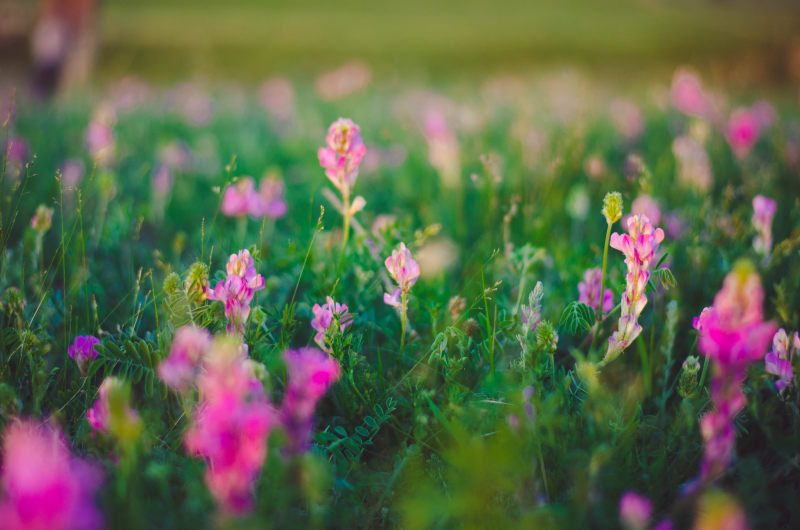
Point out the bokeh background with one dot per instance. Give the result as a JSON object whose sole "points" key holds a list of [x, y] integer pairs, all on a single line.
{"points": [[739, 43]]}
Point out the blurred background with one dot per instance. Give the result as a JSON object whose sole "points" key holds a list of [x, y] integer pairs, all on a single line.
{"points": [[66, 42]]}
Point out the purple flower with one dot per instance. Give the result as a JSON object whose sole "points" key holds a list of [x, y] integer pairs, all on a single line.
{"points": [[589, 291], [324, 316], [82, 351], [310, 373], [779, 360]]}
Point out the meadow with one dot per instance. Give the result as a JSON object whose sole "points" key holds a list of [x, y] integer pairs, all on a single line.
{"points": [[521, 303]]}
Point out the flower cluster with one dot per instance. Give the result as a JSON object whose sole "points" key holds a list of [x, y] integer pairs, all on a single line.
{"points": [[238, 289], [689, 96], [326, 315], [779, 360], [230, 425], [342, 154], [745, 126], [82, 351], [404, 271], [763, 212], [589, 291], [179, 370], [733, 334], [639, 247], [310, 373], [44, 487], [242, 199], [111, 413]]}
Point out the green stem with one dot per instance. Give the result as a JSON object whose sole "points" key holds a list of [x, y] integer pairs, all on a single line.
{"points": [[403, 321], [346, 232], [603, 278]]}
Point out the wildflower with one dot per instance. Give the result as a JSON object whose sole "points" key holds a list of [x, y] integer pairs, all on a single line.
{"points": [[627, 118], [111, 413], [635, 511], [100, 137], [230, 425], [342, 155], [270, 201], [443, 149], [589, 291], [238, 289], [733, 334], [763, 212], [326, 315], [44, 487], [743, 130], [532, 313], [612, 207], [688, 95], [239, 199], [43, 219], [310, 373], [402, 268], [546, 337], [15, 153], [179, 370], [779, 360], [639, 247], [72, 172], [687, 384], [82, 351], [645, 205]]}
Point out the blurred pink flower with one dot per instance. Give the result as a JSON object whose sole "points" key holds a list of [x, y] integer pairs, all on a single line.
{"points": [[394, 299], [99, 415], [310, 373], [595, 167], [82, 351], [589, 291], [627, 118], [42, 220], [647, 206], [694, 165], [242, 199], [180, 368], [688, 95], [324, 317], [743, 130], [342, 154], [270, 202], [230, 426], [44, 487], [15, 153], [639, 247], [635, 511], [276, 95], [100, 140], [733, 334], [443, 149], [72, 172], [239, 199], [349, 79], [763, 211]]}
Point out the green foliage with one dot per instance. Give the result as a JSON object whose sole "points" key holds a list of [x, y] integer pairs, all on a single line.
{"points": [[577, 317]]}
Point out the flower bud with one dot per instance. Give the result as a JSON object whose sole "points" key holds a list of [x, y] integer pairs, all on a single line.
{"points": [[612, 207], [690, 370]]}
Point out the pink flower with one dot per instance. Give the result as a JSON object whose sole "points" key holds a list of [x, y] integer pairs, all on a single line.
{"points": [[627, 118], [42, 219], [310, 373], [688, 95], [342, 155], [179, 370], [589, 291], [82, 351], [402, 268], [72, 172], [635, 511], [44, 486], [694, 166], [639, 247], [647, 206], [743, 130], [238, 289], [763, 211], [276, 95], [100, 415], [239, 198], [99, 139], [325, 315], [270, 201], [779, 360], [393, 299], [443, 149], [733, 333], [230, 426]]}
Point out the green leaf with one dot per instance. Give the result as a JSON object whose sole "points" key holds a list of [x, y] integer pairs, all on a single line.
{"points": [[576, 316]]}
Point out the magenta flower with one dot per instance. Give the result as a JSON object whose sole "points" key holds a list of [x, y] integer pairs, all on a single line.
{"points": [[230, 426], [44, 487], [342, 155], [179, 370], [779, 360], [763, 211], [589, 291], [733, 334], [635, 511], [82, 351], [310, 373], [324, 317], [100, 415], [238, 289], [688, 95], [743, 130], [639, 247]]}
